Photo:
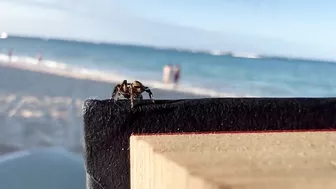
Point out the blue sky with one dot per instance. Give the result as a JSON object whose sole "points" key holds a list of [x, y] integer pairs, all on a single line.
{"points": [[300, 28]]}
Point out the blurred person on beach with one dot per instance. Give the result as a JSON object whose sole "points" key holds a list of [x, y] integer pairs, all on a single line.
{"points": [[177, 72], [10, 53], [166, 73], [39, 58]]}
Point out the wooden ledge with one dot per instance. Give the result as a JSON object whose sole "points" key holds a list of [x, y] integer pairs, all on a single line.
{"points": [[234, 161]]}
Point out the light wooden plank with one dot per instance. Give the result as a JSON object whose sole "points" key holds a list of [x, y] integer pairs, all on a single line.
{"points": [[239, 160]]}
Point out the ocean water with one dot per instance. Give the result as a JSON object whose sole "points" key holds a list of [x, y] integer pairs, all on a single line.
{"points": [[201, 73]]}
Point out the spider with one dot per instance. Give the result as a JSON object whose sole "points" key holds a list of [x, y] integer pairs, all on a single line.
{"points": [[131, 91]]}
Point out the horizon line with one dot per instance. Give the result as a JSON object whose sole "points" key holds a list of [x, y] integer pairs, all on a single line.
{"points": [[188, 50]]}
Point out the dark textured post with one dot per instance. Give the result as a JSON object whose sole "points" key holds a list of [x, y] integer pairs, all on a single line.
{"points": [[109, 125]]}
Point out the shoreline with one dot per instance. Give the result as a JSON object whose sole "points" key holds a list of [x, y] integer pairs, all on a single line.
{"points": [[42, 107], [72, 71], [69, 72]]}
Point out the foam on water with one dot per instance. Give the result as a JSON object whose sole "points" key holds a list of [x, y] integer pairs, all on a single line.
{"points": [[60, 68]]}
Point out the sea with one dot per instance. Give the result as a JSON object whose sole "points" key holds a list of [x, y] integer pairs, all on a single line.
{"points": [[204, 73]]}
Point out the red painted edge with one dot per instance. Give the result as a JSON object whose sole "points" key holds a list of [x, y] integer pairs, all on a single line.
{"points": [[235, 132]]}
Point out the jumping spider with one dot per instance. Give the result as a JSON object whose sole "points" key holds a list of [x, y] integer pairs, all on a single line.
{"points": [[131, 91]]}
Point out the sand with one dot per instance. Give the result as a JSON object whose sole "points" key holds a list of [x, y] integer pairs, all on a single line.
{"points": [[238, 160], [41, 106]]}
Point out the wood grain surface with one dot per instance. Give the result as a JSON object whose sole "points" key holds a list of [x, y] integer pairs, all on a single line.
{"points": [[234, 161]]}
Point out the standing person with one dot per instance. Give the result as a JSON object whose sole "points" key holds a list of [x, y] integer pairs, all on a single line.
{"points": [[166, 73], [39, 58], [177, 72], [10, 53]]}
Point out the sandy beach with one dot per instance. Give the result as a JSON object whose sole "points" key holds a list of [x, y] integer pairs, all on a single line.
{"points": [[42, 106]]}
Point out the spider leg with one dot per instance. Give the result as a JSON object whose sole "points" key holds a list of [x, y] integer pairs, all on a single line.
{"points": [[140, 97], [131, 96], [124, 83], [115, 92], [118, 96], [151, 96], [128, 85]]}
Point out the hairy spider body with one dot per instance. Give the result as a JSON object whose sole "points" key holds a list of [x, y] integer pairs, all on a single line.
{"points": [[132, 91]]}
